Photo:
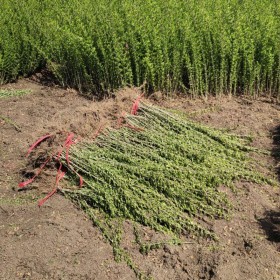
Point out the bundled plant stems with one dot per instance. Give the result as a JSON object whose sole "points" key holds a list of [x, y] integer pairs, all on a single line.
{"points": [[158, 170]]}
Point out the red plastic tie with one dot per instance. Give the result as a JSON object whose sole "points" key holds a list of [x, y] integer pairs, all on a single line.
{"points": [[59, 176], [135, 105], [42, 201], [37, 143], [23, 184], [69, 141]]}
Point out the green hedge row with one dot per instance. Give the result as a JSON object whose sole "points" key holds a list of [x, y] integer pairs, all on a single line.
{"points": [[198, 47]]}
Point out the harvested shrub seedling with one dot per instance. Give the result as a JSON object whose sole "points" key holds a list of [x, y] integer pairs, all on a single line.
{"points": [[159, 170]]}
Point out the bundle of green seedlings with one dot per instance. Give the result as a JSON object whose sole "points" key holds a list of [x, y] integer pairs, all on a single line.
{"points": [[161, 171]]}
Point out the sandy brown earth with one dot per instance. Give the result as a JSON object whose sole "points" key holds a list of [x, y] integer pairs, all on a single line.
{"points": [[57, 241]]}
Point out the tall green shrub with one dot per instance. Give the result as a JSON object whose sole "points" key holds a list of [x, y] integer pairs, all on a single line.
{"points": [[198, 47]]}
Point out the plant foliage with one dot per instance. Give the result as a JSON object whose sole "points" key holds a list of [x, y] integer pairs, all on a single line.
{"points": [[198, 47], [161, 171]]}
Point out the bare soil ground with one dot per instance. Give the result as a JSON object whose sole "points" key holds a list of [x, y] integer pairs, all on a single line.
{"points": [[57, 241]]}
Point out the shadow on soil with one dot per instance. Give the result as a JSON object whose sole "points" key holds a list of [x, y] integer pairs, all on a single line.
{"points": [[271, 221], [271, 225], [276, 149]]}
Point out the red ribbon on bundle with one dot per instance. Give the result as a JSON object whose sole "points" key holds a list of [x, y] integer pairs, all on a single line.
{"points": [[135, 105], [60, 174]]}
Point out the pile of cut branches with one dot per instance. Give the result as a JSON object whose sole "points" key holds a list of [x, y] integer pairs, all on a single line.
{"points": [[155, 169], [161, 171]]}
